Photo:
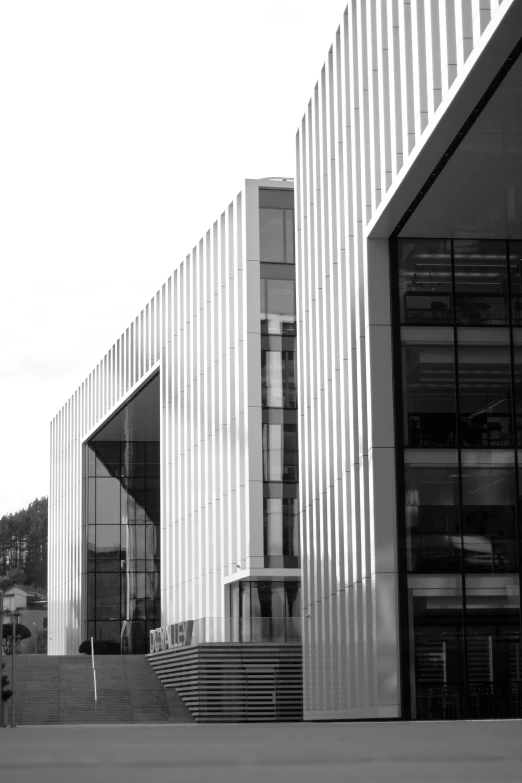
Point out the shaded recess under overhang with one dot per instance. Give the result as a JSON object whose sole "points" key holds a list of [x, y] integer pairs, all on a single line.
{"points": [[478, 194], [475, 84], [137, 420]]}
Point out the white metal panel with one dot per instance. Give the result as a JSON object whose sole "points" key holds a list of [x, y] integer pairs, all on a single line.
{"points": [[202, 330], [385, 77]]}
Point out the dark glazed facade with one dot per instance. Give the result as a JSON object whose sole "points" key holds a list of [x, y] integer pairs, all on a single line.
{"points": [[122, 528], [460, 372], [278, 378], [269, 609]]}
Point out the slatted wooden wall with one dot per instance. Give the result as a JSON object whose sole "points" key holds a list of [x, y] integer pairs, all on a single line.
{"points": [[235, 682]]}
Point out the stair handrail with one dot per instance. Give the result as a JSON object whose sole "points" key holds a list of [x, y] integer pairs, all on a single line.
{"points": [[94, 674]]}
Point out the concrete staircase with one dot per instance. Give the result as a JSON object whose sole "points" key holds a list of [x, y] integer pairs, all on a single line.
{"points": [[59, 689]]}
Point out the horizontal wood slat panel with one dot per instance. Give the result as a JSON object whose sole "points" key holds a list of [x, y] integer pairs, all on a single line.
{"points": [[234, 682]]}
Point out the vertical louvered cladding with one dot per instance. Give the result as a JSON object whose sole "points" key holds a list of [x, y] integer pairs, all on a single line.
{"points": [[202, 332], [388, 73]]}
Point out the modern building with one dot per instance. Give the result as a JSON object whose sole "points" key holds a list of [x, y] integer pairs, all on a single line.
{"points": [[409, 300], [174, 486], [174, 466]]}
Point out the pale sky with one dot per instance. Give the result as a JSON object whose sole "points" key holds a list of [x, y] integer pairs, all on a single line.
{"points": [[126, 128]]}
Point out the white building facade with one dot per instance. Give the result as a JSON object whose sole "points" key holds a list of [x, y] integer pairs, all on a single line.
{"points": [[174, 466], [412, 131], [176, 480]]}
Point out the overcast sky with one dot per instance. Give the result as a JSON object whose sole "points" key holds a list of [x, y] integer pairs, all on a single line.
{"points": [[126, 128]]}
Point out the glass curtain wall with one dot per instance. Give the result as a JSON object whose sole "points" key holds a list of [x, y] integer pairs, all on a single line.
{"points": [[123, 537], [266, 611], [270, 610], [459, 303], [278, 378]]}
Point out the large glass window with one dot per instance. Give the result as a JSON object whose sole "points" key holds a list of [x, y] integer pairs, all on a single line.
{"points": [[438, 660], [429, 395], [484, 387], [488, 519], [425, 281], [276, 226], [466, 652], [278, 306], [481, 282], [123, 530], [432, 520], [517, 391], [270, 611], [466, 279], [515, 273], [278, 378], [460, 304], [279, 452], [281, 533]]}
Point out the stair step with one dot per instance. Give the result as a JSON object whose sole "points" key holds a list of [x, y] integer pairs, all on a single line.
{"points": [[59, 689]]}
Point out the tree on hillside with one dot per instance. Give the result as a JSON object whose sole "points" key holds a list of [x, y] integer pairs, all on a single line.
{"points": [[23, 546]]}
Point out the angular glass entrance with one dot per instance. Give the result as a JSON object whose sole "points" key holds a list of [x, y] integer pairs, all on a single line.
{"points": [[122, 525]]}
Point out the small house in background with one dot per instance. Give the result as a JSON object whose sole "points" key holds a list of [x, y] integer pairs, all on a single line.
{"points": [[30, 603]]}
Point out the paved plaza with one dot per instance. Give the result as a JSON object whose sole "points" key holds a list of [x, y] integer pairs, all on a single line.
{"points": [[304, 752]]}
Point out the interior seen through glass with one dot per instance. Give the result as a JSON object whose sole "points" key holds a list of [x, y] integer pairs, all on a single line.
{"points": [[122, 527], [460, 303]]}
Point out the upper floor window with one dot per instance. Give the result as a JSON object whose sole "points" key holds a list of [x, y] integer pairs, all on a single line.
{"points": [[278, 307], [276, 226], [278, 377], [464, 281]]}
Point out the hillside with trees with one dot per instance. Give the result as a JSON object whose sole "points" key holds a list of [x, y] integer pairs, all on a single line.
{"points": [[23, 546]]}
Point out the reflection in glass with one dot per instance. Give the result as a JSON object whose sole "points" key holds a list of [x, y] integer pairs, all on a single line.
{"points": [[517, 372], [278, 379], [276, 235], [467, 662], [278, 306], [432, 520], [429, 391], [91, 547], [488, 520], [269, 611], [280, 533], [109, 458], [481, 282], [279, 452], [485, 396], [438, 637], [515, 271], [107, 501], [91, 596], [123, 543], [493, 659], [425, 281], [107, 596], [109, 556]]}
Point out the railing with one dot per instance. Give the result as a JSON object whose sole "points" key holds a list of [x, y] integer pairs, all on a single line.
{"points": [[483, 700], [274, 630], [94, 678]]}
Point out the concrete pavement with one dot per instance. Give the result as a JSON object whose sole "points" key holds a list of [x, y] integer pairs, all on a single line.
{"points": [[300, 752]]}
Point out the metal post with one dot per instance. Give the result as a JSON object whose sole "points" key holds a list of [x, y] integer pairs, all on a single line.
{"points": [[94, 677], [13, 650], [35, 636]]}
